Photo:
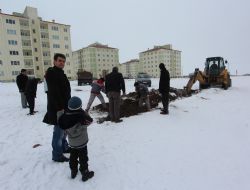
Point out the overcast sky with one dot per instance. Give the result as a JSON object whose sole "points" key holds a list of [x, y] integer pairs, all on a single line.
{"points": [[198, 28]]}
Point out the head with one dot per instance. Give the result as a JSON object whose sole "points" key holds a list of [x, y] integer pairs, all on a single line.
{"points": [[24, 71], [74, 103], [136, 84], [162, 66], [115, 69], [59, 60]]}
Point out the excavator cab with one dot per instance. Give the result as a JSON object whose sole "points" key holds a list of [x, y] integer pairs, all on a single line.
{"points": [[214, 66]]}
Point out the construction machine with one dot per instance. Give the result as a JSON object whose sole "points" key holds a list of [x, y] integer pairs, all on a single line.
{"points": [[215, 74]]}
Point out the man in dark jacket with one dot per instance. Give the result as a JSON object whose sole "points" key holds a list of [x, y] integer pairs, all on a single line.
{"points": [[114, 84], [21, 81], [30, 93], [164, 88], [58, 95]]}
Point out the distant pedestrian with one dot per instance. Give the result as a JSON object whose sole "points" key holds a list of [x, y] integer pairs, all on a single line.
{"points": [[97, 87], [21, 81], [143, 94], [75, 122], [59, 93], [30, 93], [164, 86], [114, 84]]}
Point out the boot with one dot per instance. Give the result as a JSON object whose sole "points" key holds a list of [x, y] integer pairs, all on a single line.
{"points": [[87, 175], [164, 112], [73, 173]]}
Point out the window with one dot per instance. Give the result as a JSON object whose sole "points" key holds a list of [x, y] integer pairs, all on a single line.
{"points": [[12, 32], [65, 30], [46, 63], [14, 53], [56, 46], [15, 62], [36, 58], [10, 21], [55, 28], [66, 47], [35, 49], [12, 42], [45, 54], [67, 55], [34, 31], [37, 67], [34, 40], [33, 21], [1, 62], [66, 38], [55, 37], [14, 73]]}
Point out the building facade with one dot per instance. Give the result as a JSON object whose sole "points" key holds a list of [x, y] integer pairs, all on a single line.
{"points": [[130, 68], [26, 41], [150, 60], [96, 58]]}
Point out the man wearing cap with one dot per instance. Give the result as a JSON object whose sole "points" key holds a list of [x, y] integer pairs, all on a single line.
{"points": [[21, 81], [58, 95], [164, 88]]}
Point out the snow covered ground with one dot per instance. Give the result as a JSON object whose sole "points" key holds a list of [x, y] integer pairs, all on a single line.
{"points": [[204, 144]]}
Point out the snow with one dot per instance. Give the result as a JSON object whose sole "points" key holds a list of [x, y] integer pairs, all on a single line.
{"points": [[202, 144]]}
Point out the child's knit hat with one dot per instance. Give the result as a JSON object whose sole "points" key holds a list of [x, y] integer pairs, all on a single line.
{"points": [[74, 103]]}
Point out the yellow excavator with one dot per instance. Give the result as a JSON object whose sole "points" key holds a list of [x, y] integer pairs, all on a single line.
{"points": [[215, 74]]}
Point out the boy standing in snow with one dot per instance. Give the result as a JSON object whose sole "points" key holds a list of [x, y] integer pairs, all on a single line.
{"points": [[75, 121], [30, 93], [97, 87]]}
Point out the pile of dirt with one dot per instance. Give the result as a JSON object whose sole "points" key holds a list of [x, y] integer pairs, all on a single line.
{"points": [[130, 102]]}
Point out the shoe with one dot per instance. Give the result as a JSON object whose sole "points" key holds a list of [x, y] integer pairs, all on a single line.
{"points": [[87, 175], [164, 112], [73, 173], [67, 151], [118, 121], [31, 113], [62, 159]]}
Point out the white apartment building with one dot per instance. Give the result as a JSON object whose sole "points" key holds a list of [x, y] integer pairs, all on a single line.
{"points": [[27, 41], [96, 58], [150, 60], [130, 68]]}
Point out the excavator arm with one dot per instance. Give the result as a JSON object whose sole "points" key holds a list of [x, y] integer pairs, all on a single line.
{"points": [[197, 75]]}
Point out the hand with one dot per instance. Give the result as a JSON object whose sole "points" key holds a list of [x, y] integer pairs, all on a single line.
{"points": [[59, 113]]}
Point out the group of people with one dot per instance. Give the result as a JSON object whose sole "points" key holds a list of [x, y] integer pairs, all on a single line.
{"points": [[70, 119], [27, 88]]}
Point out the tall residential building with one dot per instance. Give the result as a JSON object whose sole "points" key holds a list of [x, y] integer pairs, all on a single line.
{"points": [[130, 68], [27, 41], [96, 58], [150, 60]]}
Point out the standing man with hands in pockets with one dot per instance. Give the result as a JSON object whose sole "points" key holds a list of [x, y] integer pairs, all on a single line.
{"points": [[59, 93], [113, 85]]}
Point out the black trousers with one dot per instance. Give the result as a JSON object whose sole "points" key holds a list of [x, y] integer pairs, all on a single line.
{"points": [[31, 102], [165, 100], [82, 154]]}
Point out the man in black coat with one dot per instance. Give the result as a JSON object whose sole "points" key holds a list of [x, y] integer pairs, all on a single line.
{"points": [[30, 93], [21, 81], [164, 86], [114, 83], [58, 95]]}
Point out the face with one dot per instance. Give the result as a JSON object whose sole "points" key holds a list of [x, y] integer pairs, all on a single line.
{"points": [[60, 62], [24, 72]]}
